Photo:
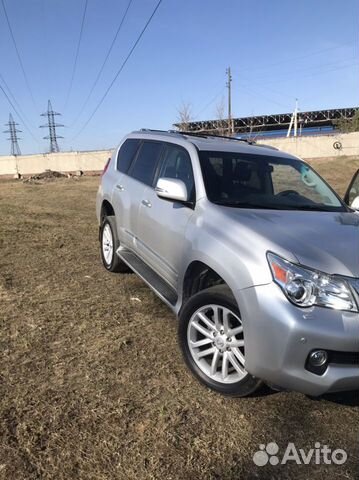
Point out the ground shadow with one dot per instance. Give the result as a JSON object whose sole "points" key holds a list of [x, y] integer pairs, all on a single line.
{"points": [[342, 398]]}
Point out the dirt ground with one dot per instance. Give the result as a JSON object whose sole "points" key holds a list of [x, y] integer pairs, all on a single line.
{"points": [[92, 381]]}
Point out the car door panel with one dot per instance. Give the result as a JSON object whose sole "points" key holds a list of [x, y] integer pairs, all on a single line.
{"points": [[161, 231], [129, 191], [126, 197], [163, 222], [125, 192]]}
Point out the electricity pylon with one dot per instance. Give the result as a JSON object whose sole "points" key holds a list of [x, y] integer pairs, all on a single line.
{"points": [[51, 125], [15, 149]]}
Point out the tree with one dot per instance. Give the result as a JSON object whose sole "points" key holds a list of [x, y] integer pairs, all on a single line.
{"points": [[347, 125], [222, 123], [184, 116]]}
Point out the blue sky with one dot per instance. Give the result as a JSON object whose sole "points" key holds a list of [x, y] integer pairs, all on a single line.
{"points": [[278, 50]]}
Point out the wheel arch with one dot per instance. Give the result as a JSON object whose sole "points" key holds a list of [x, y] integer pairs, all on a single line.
{"points": [[106, 209], [200, 276]]}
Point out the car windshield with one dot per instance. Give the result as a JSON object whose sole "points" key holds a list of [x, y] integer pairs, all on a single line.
{"points": [[262, 181]]}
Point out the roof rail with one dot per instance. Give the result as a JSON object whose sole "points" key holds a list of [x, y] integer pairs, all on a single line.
{"points": [[210, 135], [188, 134], [264, 145], [152, 130], [206, 135]]}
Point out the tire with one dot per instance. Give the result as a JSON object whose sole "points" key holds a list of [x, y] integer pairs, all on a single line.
{"points": [[109, 243], [222, 370]]}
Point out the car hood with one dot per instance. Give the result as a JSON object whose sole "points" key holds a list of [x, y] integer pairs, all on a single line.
{"points": [[326, 241]]}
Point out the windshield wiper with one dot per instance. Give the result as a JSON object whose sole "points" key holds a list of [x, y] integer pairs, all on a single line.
{"points": [[317, 208], [307, 207], [249, 205]]}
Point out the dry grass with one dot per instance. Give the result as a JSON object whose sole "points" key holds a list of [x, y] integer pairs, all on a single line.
{"points": [[338, 172], [92, 381]]}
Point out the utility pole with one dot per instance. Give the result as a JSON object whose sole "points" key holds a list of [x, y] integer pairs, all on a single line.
{"points": [[15, 149], [296, 118], [229, 86], [51, 125], [294, 121]]}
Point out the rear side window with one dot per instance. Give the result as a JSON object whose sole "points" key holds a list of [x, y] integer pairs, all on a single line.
{"points": [[126, 154], [145, 164]]}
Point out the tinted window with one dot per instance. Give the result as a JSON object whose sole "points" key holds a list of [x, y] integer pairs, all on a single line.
{"points": [[145, 164], [260, 181], [177, 164], [126, 154]]}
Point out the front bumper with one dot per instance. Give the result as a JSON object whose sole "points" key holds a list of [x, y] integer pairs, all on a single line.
{"points": [[279, 337]]}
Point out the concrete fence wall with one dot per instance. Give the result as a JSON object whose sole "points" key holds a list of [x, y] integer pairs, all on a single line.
{"points": [[318, 146], [304, 147], [64, 162]]}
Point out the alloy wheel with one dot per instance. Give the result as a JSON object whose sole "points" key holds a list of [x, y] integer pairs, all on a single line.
{"points": [[216, 343]]}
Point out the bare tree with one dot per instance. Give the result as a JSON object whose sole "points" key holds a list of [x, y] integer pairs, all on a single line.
{"points": [[184, 116], [347, 125], [222, 123]]}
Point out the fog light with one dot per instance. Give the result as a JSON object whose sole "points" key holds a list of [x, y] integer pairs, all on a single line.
{"points": [[318, 358]]}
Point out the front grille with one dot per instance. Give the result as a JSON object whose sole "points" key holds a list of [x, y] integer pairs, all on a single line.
{"points": [[344, 358]]}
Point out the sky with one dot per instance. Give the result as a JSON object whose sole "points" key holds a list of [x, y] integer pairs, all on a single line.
{"points": [[278, 50]]}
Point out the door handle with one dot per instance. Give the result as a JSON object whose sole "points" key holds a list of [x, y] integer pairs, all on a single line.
{"points": [[147, 203], [120, 187]]}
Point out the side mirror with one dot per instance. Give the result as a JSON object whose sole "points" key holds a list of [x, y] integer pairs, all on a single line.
{"points": [[355, 203], [171, 189]]}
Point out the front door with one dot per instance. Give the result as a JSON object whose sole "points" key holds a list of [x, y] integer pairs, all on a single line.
{"points": [[162, 223]]}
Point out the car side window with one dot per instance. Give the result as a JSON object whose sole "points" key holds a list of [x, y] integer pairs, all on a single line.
{"points": [[144, 166], [177, 164], [126, 154], [353, 189]]}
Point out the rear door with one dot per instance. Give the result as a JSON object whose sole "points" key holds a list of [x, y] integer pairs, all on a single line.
{"points": [[124, 189], [140, 174], [353, 192]]}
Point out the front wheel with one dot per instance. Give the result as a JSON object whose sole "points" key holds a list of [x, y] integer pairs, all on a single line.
{"points": [[212, 341]]}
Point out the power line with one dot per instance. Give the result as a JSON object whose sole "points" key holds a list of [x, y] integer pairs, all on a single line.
{"points": [[104, 62], [18, 53], [77, 54], [255, 93], [119, 71], [301, 57], [309, 75], [18, 114], [213, 99], [13, 97], [313, 69]]}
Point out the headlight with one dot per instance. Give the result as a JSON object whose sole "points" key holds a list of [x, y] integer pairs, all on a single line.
{"points": [[305, 287]]}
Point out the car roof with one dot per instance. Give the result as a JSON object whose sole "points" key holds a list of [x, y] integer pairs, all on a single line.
{"points": [[208, 142]]}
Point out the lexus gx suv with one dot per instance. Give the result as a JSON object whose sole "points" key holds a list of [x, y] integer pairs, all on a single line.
{"points": [[251, 249]]}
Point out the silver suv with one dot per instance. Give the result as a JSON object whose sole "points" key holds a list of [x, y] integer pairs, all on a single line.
{"points": [[250, 248]]}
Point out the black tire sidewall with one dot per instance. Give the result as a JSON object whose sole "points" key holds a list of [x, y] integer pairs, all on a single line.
{"points": [[111, 222], [220, 296]]}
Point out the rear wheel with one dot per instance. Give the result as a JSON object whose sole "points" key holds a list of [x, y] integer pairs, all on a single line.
{"points": [[213, 344], [109, 243]]}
